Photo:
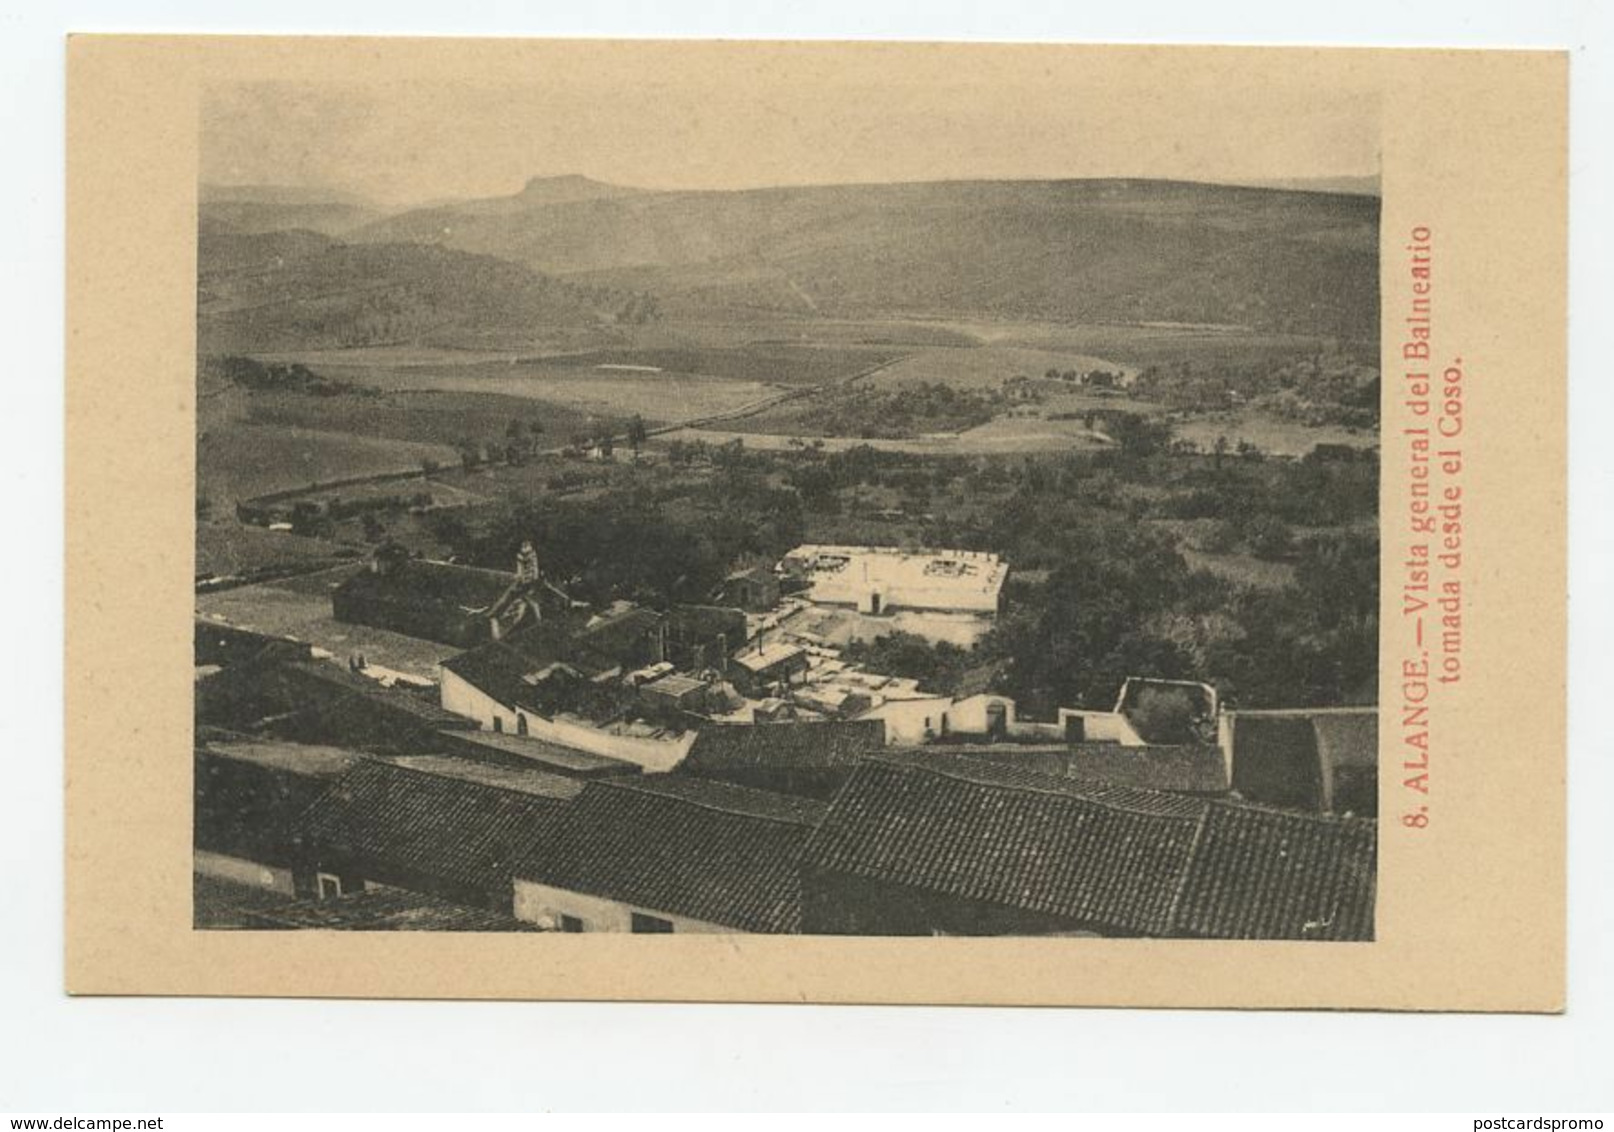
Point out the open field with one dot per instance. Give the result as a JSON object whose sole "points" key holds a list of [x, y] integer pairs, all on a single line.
{"points": [[1272, 435], [600, 393], [393, 356], [853, 336], [238, 461], [988, 367], [226, 547], [775, 363], [424, 416], [898, 334], [1136, 345]]}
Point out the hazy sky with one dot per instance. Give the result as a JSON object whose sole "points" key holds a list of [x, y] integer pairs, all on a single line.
{"points": [[737, 125]]}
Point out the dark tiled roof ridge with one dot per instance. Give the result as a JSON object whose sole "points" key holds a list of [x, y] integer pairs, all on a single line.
{"points": [[1077, 789], [1313, 817], [421, 772], [645, 784]]}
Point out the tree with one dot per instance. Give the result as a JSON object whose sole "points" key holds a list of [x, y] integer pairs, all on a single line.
{"points": [[637, 434], [1164, 715], [938, 667], [1139, 435], [1089, 627]]}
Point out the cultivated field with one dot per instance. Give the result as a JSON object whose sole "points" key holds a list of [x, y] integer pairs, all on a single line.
{"points": [[1136, 345], [658, 397], [1007, 435], [238, 461], [774, 363], [225, 547], [1272, 435], [425, 416], [988, 367]]}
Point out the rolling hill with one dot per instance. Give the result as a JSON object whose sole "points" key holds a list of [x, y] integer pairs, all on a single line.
{"points": [[1084, 251], [300, 290]]}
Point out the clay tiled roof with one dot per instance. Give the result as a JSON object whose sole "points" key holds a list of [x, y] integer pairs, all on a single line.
{"points": [[1265, 874], [784, 746], [432, 824], [1033, 843], [502, 668], [1187, 769], [1120, 859], [532, 753], [307, 760], [685, 847], [521, 780]]}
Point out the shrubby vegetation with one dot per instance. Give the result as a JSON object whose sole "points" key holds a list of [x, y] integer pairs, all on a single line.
{"points": [[1100, 587], [1324, 388], [273, 378], [938, 667]]}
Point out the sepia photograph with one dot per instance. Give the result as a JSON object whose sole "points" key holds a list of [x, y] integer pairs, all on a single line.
{"points": [[640, 509]]}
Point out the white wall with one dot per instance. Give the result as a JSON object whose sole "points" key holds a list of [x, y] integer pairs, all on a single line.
{"points": [[240, 871], [462, 698], [654, 755], [542, 904], [906, 720], [970, 715], [1102, 725]]}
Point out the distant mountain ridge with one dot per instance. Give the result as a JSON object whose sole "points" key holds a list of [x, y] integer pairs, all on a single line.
{"points": [[1085, 250], [570, 187]]}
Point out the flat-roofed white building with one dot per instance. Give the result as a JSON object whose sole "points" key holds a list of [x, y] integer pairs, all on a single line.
{"points": [[882, 579]]}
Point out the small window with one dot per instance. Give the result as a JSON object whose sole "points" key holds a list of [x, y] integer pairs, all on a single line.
{"points": [[521, 724], [330, 886], [646, 924], [498, 724], [572, 924]]}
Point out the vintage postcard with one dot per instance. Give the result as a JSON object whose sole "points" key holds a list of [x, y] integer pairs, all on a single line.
{"points": [[900, 523]]}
